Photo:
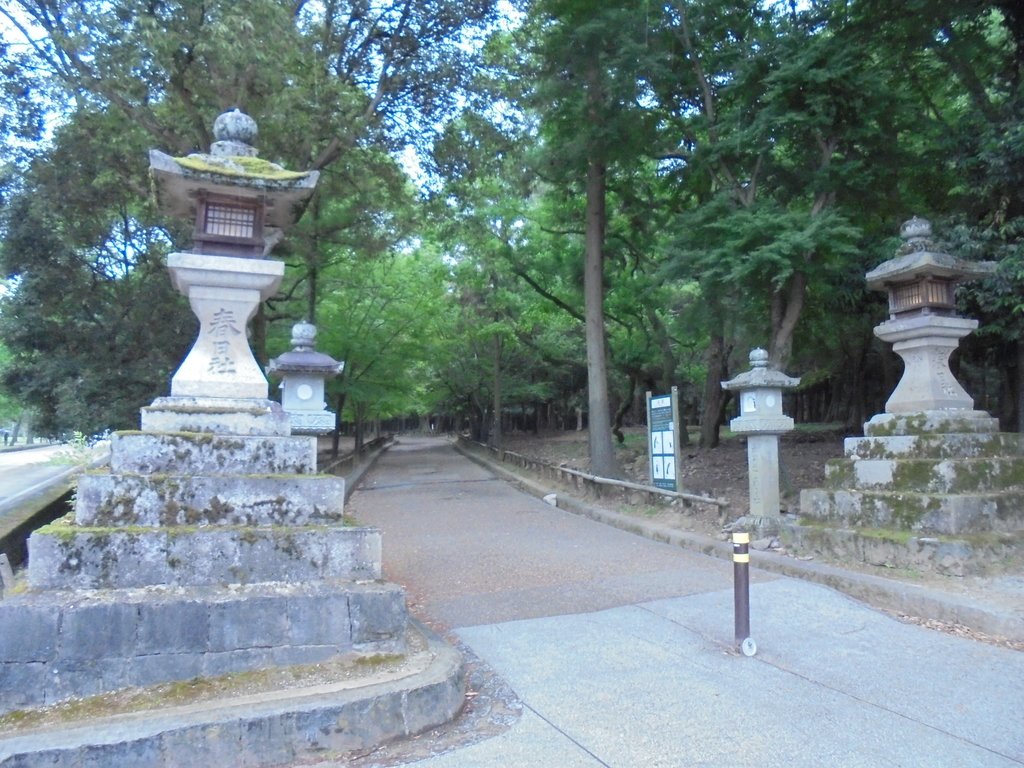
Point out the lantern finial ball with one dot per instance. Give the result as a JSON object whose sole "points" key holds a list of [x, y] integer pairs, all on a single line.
{"points": [[235, 125]]}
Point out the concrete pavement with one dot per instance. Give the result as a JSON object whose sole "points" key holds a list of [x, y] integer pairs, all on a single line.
{"points": [[618, 651]]}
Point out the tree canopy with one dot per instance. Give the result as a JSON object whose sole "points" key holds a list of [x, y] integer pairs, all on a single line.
{"points": [[529, 213]]}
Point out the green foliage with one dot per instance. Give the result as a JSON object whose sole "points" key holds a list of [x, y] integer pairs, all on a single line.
{"points": [[756, 160]]}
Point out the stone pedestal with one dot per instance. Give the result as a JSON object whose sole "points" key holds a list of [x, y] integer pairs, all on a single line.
{"points": [[196, 554], [925, 342], [224, 293]]}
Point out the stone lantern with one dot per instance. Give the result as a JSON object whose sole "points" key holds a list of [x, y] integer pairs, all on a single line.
{"points": [[923, 326], [239, 205], [761, 419], [303, 372]]}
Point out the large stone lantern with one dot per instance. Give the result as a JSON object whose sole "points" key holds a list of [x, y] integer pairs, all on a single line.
{"points": [[303, 372], [923, 326], [239, 205]]}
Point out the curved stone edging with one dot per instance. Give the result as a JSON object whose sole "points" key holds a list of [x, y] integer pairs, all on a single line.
{"points": [[260, 730]]}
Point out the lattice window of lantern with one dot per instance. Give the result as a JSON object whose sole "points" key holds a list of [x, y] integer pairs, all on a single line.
{"points": [[933, 294], [230, 221], [228, 226]]}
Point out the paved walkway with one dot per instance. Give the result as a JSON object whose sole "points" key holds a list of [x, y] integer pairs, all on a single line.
{"points": [[23, 472], [619, 649]]}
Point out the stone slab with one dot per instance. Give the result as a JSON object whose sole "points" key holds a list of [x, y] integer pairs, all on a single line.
{"points": [[221, 415], [935, 476], [106, 499], [944, 555], [921, 512], [63, 556], [948, 421], [203, 453], [60, 644], [261, 729], [935, 446]]}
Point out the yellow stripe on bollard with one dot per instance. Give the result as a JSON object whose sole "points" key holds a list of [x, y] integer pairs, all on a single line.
{"points": [[741, 557]]}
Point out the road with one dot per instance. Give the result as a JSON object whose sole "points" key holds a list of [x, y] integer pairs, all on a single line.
{"points": [[617, 651], [24, 473]]}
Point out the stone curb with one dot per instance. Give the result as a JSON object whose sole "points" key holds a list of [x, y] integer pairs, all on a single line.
{"points": [[265, 729], [877, 591], [353, 479]]}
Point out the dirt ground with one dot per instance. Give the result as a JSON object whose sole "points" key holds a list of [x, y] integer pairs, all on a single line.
{"points": [[717, 472]]}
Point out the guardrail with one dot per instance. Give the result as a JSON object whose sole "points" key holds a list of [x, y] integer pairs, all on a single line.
{"points": [[587, 483]]}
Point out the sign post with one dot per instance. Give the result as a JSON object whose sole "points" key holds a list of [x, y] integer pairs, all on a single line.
{"points": [[663, 439]]}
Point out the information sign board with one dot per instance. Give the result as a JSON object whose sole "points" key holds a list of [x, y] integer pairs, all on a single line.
{"points": [[662, 427]]}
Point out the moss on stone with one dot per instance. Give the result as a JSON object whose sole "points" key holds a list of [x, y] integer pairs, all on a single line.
{"points": [[239, 166], [914, 475], [200, 689]]}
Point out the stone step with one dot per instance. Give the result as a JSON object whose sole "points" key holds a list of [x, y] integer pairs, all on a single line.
{"points": [[66, 556], [219, 415], [936, 446], [949, 556], [946, 421], [106, 499], [927, 475], [59, 644], [202, 453], [924, 512], [323, 721]]}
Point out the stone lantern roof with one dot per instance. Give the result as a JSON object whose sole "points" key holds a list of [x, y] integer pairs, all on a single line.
{"points": [[232, 168], [920, 258], [760, 376], [303, 358]]}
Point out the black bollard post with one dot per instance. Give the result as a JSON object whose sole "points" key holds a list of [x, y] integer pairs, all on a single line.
{"points": [[741, 592]]}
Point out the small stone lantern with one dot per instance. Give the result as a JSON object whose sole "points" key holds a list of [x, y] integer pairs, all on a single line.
{"points": [[303, 372], [761, 419], [923, 326]]}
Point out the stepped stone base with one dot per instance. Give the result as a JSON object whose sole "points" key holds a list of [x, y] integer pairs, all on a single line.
{"points": [[948, 477], [152, 453], [123, 499], [62, 644], [71, 557], [211, 549], [945, 555], [938, 513], [321, 721]]}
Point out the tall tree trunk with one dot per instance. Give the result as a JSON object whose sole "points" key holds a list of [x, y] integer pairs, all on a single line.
{"points": [[258, 338], [668, 365], [1020, 385], [602, 450], [714, 395], [313, 279], [787, 305], [495, 437], [336, 436], [624, 407]]}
